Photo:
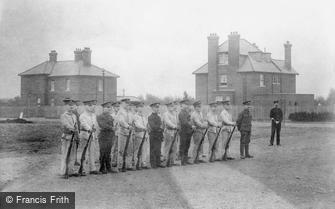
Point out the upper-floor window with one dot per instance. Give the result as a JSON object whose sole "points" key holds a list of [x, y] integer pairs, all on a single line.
{"points": [[223, 59], [38, 101], [100, 85], [261, 80], [68, 83], [223, 81], [52, 85], [275, 79]]}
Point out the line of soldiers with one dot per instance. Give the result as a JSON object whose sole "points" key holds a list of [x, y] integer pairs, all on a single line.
{"points": [[123, 138]]}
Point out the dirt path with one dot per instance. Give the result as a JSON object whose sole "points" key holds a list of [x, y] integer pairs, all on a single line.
{"points": [[300, 174]]}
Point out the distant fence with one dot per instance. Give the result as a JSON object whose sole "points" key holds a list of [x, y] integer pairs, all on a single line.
{"points": [[258, 112]]}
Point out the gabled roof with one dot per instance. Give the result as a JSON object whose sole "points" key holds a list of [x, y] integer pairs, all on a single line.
{"points": [[66, 68], [202, 70], [245, 47]]}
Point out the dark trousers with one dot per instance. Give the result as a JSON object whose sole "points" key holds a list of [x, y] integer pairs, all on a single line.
{"points": [[155, 150], [105, 154], [275, 128], [185, 140]]}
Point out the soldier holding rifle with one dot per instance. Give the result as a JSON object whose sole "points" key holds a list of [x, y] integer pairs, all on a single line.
{"points": [[199, 133], [170, 135], [70, 132], [115, 147], [213, 131], [88, 125]]}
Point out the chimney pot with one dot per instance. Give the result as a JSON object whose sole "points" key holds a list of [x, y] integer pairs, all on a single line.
{"points": [[287, 53], [86, 56], [53, 56]]}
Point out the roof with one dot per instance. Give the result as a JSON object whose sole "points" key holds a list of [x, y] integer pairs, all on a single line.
{"points": [[67, 68], [202, 70], [245, 47]]}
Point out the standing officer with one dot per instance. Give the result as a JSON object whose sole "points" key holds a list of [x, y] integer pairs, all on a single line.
{"points": [[155, 135], [276, 116], [125, 126], [186, 131], [213, 130], [88, 126], [226, 119], [170, 124], [200, 127], [115, 147], [106, 137], [70, 130], [244, 126]]}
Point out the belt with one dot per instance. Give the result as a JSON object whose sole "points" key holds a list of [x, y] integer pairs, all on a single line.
{"points": [[84, 130], [171, 129]]}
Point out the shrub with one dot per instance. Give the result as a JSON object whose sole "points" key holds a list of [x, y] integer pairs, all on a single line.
{"points": [[312, 116]]}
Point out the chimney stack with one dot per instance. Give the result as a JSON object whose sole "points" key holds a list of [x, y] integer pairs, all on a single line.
{"points": [[287, 47], [213, 44], [86, 56], [234, 49], [53, 56], [77, 55]]}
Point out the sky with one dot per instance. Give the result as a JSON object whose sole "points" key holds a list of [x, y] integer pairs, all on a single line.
{"points": [[155, 45]]}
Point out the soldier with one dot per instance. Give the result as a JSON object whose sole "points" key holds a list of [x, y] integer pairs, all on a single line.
{"points": [[276, 116], [176, 108], [106, 137], [155, 136], [226, 119], [125, 129], [115, 147], [244, 126], [200, 127], [70, 132], [213, 124], [88, 127], [170, 134], [77, 113], [186, 131], [140, 136]]}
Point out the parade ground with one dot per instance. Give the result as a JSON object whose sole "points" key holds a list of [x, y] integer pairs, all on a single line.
{"points": [[298, 174]]}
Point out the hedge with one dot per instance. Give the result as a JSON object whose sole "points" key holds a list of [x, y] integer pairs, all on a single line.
{"points": [[312, 116]]}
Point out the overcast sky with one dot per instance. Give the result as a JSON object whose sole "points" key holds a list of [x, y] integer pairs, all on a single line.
{"points": [[156, 45]]}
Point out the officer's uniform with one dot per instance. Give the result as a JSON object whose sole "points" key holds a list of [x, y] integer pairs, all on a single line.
{"points": [[213, 124], [244, 126], [200, 127], [276, 115], [170, 129], [106, 137], [156, 137], [185, 133], [140, 125], [226, 119], [69, 127], [88, 121]]}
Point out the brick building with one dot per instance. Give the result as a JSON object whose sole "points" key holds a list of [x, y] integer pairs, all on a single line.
{"points": [[238, 70], [51, 81]]}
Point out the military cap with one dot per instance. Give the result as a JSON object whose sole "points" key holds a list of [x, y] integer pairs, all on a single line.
{"points": [[125, 100], [185, 101], [155, 104], [169, 103], [225, 102], [213, 103], [90, 101], [116, 104], [276, 102], [67, 100], [106, 103], [176, 102], [137, 103], [246, 102], [197, 103]]}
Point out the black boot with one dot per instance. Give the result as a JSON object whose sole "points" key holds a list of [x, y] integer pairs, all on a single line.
{"points": [[247, 151], [242, 151]]}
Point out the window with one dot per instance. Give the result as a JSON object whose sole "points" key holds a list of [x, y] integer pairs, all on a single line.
{"points": [[52, 102], [223, 81], [223, 59], [261, 80], [219, 98], [100, 87], [275, 79], [52, 86], [227, 98], [68, 83], [38, 101]]}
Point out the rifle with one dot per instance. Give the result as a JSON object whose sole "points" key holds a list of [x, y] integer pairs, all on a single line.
{"points": [[139, 153], [77, 145], [227, 145], [170, 150], [214, 144], [67, 160], [198, 149], [83, 154], [125, 151]]}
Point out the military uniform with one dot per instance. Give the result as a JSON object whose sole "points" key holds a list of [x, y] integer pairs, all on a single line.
{"points": [[226, 119], [185, 134], [140, 125], [276, 116], [69, 128], [156, 137], [200, 127], [244, 126], [213, 123], [115, 146], [170, 128], [106, 137]]}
